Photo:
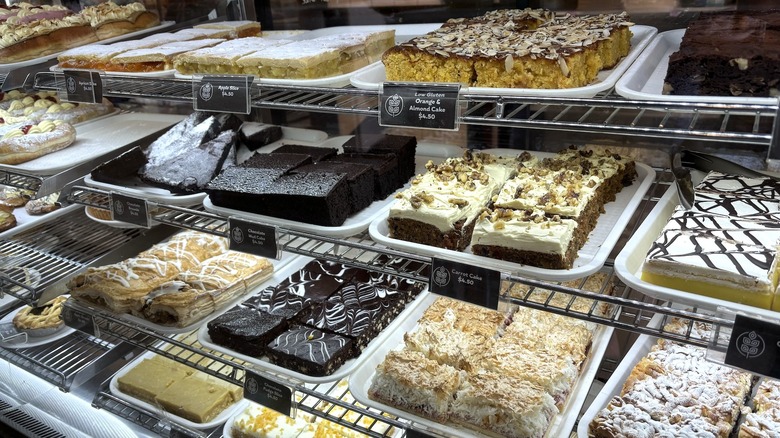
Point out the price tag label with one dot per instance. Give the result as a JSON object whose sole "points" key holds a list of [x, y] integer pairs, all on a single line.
{"points": [[755, 346], [419, 105], [470, 283], [254, 238], [268, 393], [223, 93], [131, 210], [79, 321], [84, 86]]}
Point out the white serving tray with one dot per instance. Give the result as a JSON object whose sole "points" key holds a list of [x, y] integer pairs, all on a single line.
{"points": [[590, 258], [168, 330], [95, 139], [403, 32], [345, 370], [219, 419], [134, 186], [356, 223], [373, 76], [644, 80], [561, 424], [629, 262], [5, 68]]}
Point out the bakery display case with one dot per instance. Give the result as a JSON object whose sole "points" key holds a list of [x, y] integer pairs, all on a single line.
{"points": [[92, 359]]}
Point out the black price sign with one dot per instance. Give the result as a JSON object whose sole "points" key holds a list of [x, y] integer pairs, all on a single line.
{"points": [[253, 238], [84, 86], [464, 282], [79, 321], [755, 346], [226, 94], [419, 105], [268, 393], [131, 210]]}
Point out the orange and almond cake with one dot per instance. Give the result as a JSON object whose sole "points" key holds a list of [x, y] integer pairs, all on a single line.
{"points": [[528, 48]]}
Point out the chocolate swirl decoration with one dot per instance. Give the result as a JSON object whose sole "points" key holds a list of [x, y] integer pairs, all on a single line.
{"points": [[341, 319], [767, 188], [339, 271], [367, 296], [705, 249], [310, 345], [753, 208], [744, 231], [278, 301], [310, 284]]}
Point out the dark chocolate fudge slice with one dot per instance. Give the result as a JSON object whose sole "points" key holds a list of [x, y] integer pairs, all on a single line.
{"points": [[246, 330], [340, 271], [388, 301], [121, 169], [310, 351], [284, 162], [728, 54], [255, 135], [316, 153], [359, 324], [281, 301], [405, 147], [386, 178], [191, 171], [239, 188], [359, 176], [311, 284], [313, 198]]}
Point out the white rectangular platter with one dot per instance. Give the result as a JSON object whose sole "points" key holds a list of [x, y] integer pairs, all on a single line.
{"points": [[137, 188], [590, 258], [356, 223], [561, 424], [644, 80], [25, 221], [219, 419], [371, 77], [94, 139], [345, 370], [628, 263]]}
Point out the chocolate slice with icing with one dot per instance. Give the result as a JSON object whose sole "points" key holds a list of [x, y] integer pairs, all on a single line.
{"points": [[310, 351], [245, 330]]}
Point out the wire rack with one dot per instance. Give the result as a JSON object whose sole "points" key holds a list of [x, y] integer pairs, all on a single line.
{"points": [[605, 113]]}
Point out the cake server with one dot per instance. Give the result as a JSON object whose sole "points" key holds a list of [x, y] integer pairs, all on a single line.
{"points": [[707, 162], [682, 179]]}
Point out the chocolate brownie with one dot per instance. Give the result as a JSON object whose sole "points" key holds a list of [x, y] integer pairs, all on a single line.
{"points": [[730, 53], [120, 169], [255, 135], [313, 198], [280, 301], [317, 153], [310, 351], [283, 162], [386, 177], [360, 178], [246, 330], [403, 146]]}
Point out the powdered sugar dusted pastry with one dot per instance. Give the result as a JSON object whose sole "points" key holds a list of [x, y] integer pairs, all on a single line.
{"points": [[32, 141], [43, 205]]}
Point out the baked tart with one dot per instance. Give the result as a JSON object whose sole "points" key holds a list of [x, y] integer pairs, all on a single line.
{"points": [[42, 320]]}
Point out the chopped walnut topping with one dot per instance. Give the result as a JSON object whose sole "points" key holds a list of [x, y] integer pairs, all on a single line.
{"points": [[459, 202]]}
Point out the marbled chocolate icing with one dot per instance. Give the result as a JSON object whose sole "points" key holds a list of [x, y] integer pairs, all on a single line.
{"points": [[278, 301], [736, 185], [309, 350]]}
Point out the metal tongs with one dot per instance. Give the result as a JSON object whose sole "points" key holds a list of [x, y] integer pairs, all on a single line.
{"points": [[683, 160]]}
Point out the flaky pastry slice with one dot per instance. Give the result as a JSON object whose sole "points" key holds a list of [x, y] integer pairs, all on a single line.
{"points": [[199, 292]]}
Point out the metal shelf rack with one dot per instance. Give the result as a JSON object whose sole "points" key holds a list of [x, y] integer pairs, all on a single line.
{"points": [[605, 113]]}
